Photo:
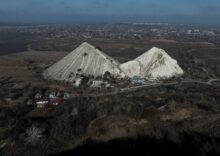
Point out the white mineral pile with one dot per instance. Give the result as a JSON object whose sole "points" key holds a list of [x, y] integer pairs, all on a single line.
{"points": [[85, 60], [154, 64]]}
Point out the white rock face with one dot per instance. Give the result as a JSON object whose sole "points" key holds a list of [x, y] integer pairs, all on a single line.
{"points": [[86, 60], [131, 68], [154, 64]]}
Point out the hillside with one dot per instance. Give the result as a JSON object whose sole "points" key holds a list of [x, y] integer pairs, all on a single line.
{"points": [[85, 60], [155, 63]]}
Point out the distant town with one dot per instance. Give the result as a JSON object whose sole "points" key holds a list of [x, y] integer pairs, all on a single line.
{"points": [[179, 32]]}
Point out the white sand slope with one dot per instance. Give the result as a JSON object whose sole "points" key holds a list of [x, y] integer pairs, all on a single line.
{"points": [[154, 64], [84, 60]]}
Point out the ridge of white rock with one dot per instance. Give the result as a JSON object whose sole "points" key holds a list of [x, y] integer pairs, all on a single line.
{"points": [[84, 60], [153, 64]]}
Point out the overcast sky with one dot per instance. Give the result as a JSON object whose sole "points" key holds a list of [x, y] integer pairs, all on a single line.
{"points": [[201, 11]]}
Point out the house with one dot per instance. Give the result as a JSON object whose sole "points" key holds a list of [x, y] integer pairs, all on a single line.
{"points": [[38, 96], [54, 98], [42, 103], [56, 101]]}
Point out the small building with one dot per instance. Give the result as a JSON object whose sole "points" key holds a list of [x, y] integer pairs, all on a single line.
{"points": [[52, 95], [66, 96], [100, 84], [137, 81], [42, 103], [56, 101], [38, 96]]}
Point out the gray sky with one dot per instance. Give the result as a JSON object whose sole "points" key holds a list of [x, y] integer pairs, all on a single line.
{"points": [[201, 11]]}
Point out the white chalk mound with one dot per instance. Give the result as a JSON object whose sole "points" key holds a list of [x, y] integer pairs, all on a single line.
{"points": [[84, 60], [154, 64]]}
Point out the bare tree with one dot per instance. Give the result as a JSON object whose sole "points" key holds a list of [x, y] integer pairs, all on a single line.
{"points": [[34, 135]]}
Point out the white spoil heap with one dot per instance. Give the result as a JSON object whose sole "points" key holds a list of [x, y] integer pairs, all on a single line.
{"points": [[154, 64], [85, 60]]}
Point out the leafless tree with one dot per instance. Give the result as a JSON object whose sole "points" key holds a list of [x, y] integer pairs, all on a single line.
{"points": [[34, 135]]}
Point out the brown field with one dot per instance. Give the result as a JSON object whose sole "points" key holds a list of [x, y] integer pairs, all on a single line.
{"points": [[164, 114]]}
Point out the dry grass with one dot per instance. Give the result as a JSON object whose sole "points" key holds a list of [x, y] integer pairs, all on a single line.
{"points": [[178, 115]]}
